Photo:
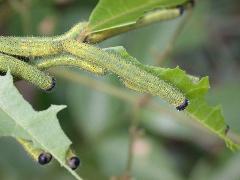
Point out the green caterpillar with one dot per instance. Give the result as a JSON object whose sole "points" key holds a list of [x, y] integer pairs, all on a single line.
{"points": [[66, 59], [25, 71], [65, 50], [29, 46], [133, 74], [37, 46]]}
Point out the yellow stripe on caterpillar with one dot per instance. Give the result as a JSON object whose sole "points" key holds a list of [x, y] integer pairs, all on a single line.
{"points": [[65, 59], [29, 46]]}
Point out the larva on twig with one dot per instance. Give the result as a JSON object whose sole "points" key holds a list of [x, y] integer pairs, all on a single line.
{"points": [[25, 71], [65, 59], [29, 46], [37, 46], [133, 74]]}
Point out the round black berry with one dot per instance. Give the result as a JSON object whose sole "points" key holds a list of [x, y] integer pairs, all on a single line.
{"points": [[44, 158], [74, 162]]}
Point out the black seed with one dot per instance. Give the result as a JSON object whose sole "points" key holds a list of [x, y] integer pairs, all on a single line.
{"points": [[74, 162], [227, 129], [182, 106], [52, 85], [181, 9], [44, 158]]}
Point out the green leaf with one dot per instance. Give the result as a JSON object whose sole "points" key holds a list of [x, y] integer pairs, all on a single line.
{"points": [[195, 90], [109, 14], [19, 120]]}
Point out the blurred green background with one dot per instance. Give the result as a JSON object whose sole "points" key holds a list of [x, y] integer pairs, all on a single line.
{"points": [[171, 147]]}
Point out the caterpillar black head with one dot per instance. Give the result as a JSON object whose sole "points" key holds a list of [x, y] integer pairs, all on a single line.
{"points": [[44, 158], [183, 106], [52, 85], [73, 162]]}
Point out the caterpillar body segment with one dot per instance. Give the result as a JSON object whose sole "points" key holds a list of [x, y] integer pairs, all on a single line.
{"points": [[37, 46], [29, 46], [74, 32], [132, 86], [168, 13], [162, 14], [132, 72], [68, 60], [27, 72], [37, 154]]}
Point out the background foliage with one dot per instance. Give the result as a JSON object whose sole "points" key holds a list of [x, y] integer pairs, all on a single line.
{"points": [[97, 123]]}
